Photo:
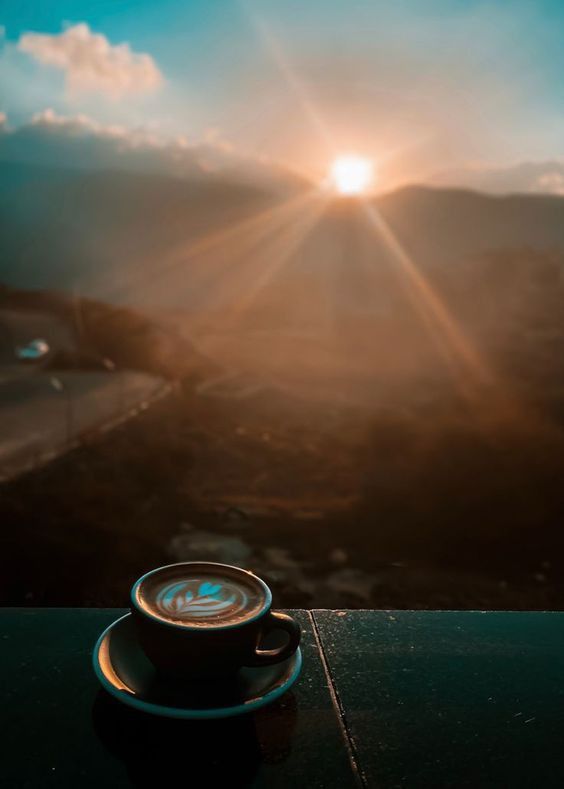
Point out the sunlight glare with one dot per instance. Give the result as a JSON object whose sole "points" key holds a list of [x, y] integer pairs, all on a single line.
{"points": [[351, 175]]}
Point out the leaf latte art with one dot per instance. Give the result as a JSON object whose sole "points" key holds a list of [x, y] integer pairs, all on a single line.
{"points": [[197, 599]]}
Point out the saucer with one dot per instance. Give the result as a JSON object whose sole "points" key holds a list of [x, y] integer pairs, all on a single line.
{"points": [[126, 673]]}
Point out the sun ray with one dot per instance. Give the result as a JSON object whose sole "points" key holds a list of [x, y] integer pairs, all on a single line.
{"points": [[280, 60], [241, 273], [270, 261], [249, 230], [258, 222], [477, 377], [431, 308]]}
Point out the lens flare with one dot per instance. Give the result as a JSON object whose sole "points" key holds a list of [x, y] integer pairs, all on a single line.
{"points": [[351, 175]]}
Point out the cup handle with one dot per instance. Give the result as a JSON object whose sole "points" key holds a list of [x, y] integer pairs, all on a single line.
{"points": [[278, 621]]}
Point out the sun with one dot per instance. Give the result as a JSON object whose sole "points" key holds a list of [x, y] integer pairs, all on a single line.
{"points": [[351, 175]]}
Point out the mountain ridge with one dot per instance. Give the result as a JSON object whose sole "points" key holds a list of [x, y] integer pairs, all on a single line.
{"points": [[68, 229]]}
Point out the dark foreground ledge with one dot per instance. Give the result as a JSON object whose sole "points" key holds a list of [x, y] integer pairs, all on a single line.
{"points": [[385, 699]]}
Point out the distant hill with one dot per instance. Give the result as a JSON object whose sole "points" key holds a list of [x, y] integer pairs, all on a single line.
{"points": [[129, 237], [68, 229], [443, 225], [105, 336]]}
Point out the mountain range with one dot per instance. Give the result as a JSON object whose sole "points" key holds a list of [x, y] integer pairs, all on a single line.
{"points": [[100, 231]]}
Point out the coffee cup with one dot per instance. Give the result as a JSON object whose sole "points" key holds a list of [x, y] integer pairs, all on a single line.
{"points": [[206, 620]]}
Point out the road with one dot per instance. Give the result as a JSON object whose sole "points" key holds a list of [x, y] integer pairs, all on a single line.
{"points": [[44, 413]]}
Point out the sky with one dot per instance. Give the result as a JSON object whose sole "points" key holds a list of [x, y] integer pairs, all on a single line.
{"points": [[436, 91]]}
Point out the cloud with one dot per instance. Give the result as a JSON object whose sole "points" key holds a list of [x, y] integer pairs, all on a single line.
{"points": [[91, 64], [83, 125], [546, 177], [79, 142], [552, 182], [70, 141], [54, 140]]}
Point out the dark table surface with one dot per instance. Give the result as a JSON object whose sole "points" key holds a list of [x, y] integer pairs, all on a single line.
{"points": [[385, 699]]}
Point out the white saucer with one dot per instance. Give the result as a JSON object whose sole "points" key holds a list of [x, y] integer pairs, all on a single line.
{"points": [[125, 672]]}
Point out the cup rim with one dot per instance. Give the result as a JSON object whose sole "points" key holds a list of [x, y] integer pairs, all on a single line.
{"points": [[198, 628]]}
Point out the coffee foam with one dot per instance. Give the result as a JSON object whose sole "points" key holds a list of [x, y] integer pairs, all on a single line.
{"points": [[201, 598]]}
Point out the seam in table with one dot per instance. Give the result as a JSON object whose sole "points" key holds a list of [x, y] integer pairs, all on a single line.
{"points": [[339, 709]]}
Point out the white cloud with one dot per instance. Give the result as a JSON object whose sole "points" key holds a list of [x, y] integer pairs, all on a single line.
{"points": [[553, 183], [81, 125], [77, 124], [214, 137], [79, 141], [546, 177], [130, 146], [91, 64]]}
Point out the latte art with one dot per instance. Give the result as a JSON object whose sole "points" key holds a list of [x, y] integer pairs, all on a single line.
{"points": [[203, 600], [197, 599]]}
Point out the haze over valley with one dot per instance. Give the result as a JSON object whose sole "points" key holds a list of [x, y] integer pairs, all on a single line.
{"points": [[282, 303]]}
